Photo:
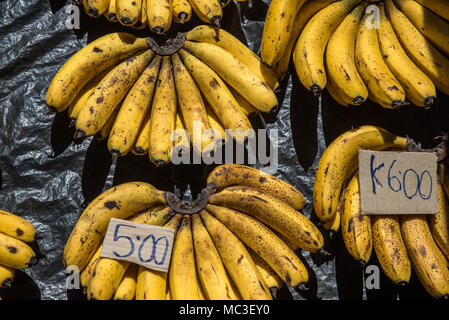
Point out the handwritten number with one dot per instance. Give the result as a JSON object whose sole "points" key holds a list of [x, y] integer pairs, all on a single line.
{"points": [[390, 178], [430, 183], [117, 238], [153, 257], [374, 179]]}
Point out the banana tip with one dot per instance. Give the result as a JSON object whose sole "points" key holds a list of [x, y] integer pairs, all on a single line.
{"points": [[182, 16], [158, 30], [79, 135], [302, 287], [274, 292], [6, 283], [402, 283], [359, 100], [429, 101], [139, 150], [316, 90], [216, 20]]}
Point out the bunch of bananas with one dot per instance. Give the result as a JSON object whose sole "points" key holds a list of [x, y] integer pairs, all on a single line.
{"points": [[161, 100], [16, 234], [158, 15], [401, 242], [393, 52], [235, 241]]}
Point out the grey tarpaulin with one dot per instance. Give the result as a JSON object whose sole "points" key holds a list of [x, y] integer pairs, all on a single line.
{"points": [[48, 179]]}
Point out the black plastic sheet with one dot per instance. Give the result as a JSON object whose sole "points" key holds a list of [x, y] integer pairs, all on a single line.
{"points": [[48, 179]]}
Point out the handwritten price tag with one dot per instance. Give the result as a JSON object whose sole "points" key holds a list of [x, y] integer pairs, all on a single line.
{"points": [[398, 182], [143, 244]]}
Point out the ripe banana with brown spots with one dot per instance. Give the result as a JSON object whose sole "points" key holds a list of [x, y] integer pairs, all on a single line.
{"points": [[182, 11], [440, 7], [7, 275], [15, 253], [142, 143], [273, 212], [111, 12], [439, 223], [129, 11], [17, 227], [94, 58], [159, 14], [95, 8], [107, 127], [127, 287], [227, 175], [209, 11]]}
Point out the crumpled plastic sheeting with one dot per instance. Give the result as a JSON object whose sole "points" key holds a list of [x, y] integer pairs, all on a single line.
{"points": [[48, 179]]}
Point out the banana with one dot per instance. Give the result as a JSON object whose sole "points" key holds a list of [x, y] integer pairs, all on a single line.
{"points": [[434, 28], [273, 212], [338, 161], [180, 138], [86, 273], [219, 97], [15, 253], [237, 74], [270, 278], [108, 94], [111, 12], [237, 260], [426, 57], [307, 11], [265, 243], [159, 14], [118, 202], [163, 116], [211, 271], [182, 11], [142, 143], [419, 89], [129, 11], [356, 227], [107, 127], [94, 58], [134, 108], [95, 8], [182, 273], [390, 248], [309, 51], [335, 92], [192, 108], [428, 262], [152, 284], [443, 176], [7, 275], [334, 223], [227, 175], [16, 227], [439, 223], [208, 9], [127, 287], [143, 18], [277, 29], [340, 60], [244, 105], [225, 40], [440, 7], [217, 128]]}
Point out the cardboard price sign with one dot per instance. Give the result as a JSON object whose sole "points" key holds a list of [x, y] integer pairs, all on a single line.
{"points": [[143, 244], [398, 182]]}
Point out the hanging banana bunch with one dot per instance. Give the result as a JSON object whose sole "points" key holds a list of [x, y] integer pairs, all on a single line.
{"points": [[157, 15], [229, 244], [392, 52], [163, 101]]}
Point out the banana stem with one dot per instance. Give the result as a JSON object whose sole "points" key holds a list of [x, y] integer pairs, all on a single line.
{"points": [[170, 47], [189, 208]]}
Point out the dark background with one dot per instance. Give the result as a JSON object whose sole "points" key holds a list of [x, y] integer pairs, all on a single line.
{"points": [[48, 179]]}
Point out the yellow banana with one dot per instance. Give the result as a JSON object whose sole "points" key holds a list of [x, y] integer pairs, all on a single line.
{"points": [[237, 260], [237, 74], [182, 273], [309, 51], [443, 176], [227, 41], [434, 28], [340, 60], [118, 202], [86, 273], [439, 223], [277, 29], [335, 92], [428, 262], [94, 58], [111, 11], [265, 243], [7, 275], [227, 175], [109, 93], [181, 138], [142, 143], [163, 116], [209, 266], [134, 108], [127, 287], [159, 14], [182, 11], [338, 161], [390, 248], [192, 108], [143, 18], [244, 105], [273, 212], [16, 227], [307, 11], [129, 11], [219, 97], [107, 127], [209, 10], [440, 7], [217, 128], [15, 253], [434, 64], [95, 8], [419, 89]]}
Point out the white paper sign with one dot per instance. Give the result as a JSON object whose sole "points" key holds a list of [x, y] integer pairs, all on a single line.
{"points": [[398, 182], [143, 244]]}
